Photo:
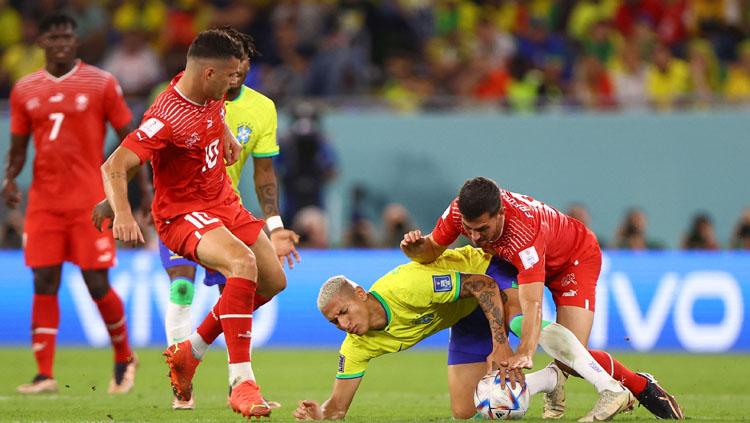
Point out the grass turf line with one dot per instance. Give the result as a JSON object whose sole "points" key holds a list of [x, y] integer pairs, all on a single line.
{"points": [[409, 386]]}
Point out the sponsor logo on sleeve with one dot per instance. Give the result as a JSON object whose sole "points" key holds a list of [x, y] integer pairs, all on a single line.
{"points": [[342, 362], [529, 257], [151, 127], [442, 283]]}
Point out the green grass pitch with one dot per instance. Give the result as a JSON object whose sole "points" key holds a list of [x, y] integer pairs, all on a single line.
{"points": [[410, 386]]}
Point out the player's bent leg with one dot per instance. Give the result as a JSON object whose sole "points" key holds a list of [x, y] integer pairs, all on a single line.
{"points": [[45, 320], [113, 314], [271, 276], [462, 382], [177, 324]]}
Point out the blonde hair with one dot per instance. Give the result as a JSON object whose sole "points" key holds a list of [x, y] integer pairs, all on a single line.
{"points": [[332, 287]]}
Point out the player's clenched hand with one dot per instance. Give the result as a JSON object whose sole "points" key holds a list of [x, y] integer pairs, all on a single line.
{"points": [[412, 239], [308, 410], [232, 150], [11, 194], [284, 242], [102, 211], [126, 229]]}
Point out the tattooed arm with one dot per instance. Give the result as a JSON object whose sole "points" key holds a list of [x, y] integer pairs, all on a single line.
{"points": [[492, 301], [266, 188], [115, 171]]}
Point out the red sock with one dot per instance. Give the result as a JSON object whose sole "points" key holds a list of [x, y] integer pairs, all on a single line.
{"points": [[259, 301], [113, 314], [634, 382], [236, 314], [45, 319], [210, 328]]}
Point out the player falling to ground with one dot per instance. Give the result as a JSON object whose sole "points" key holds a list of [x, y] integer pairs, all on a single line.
{"points": [[547, 248], [196, 212], [251, 116], [417, 300], [66, 107]]}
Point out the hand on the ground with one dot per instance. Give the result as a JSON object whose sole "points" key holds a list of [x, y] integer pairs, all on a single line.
{"points": [[308, 410]]}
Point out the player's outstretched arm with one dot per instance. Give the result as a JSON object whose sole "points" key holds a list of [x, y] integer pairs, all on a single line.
{"points": [[422, 249], [266, 188], [19, 145], [530, 297], [335, 407], [491, 300], [115, 171]]}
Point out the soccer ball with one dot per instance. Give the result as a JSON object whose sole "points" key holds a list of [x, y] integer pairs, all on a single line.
{"points": [[495, 403]]}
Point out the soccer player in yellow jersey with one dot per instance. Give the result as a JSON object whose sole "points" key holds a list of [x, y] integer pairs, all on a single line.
{"points": [[415, 300]]}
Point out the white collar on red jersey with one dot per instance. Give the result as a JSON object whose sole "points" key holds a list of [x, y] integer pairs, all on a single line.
{"points": [[65, 75], [186, 97]]}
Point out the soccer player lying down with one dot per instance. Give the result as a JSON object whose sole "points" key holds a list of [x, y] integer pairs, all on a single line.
{"points": [[414, 301]]}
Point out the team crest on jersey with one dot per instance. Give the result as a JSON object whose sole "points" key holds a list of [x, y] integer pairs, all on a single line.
{"points": [[57, 98], [82, 101], [442, 283], [424, 320], [342, 362], [33, 104], [243, 133], [192, 140]]}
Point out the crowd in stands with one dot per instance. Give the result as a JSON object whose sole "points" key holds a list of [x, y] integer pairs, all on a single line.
{"points": [[520, 55]]}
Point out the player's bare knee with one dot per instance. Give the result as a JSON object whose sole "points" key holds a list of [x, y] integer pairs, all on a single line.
{"points": [[46, 280], [243, 264]]}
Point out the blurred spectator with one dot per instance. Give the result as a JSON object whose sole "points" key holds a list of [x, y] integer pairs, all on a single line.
{"points": [[741, 236], [135, 64], [307, 162], [601, 42], [311, 225], [92, 23], [666, 79], [631, 235], [632, 11], [704, 72], [701, 234], [403, 88], [144, 15], [21, 58], [737, 86], [361, 231], [586, 12], [671, 28], [184, 20], [580, 212], [630, 79], [10, 25], [396, 222], [594, 88], [11, 232]]}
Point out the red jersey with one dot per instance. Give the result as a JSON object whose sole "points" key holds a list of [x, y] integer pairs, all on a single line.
{"points": [[184, 142], [538, 240], [67, 117]]}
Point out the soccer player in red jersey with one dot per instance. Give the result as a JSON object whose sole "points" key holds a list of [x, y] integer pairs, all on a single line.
{"points": [[547, 248], [66, 107], [197, 213]]}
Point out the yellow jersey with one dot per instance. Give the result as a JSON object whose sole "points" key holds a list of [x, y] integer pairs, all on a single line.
{"points": [[419, 300], [252, 119]]}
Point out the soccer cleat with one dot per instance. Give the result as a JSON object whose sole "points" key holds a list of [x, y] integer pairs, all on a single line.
{"points": [[124, 378], [178, 404], [658, 401], [247, 400], [609, 404], [40, 385], [182, 365], [554, 402], [272, 404]]}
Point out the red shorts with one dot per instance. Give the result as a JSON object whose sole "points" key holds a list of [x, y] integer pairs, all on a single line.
{"points": [[51, 238], [182, 233], [576, 284]]}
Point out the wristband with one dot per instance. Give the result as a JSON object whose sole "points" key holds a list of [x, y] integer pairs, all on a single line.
{"points": [[273, 223]]}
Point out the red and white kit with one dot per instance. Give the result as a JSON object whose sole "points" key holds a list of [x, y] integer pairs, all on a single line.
{"points": [[543, 244]]}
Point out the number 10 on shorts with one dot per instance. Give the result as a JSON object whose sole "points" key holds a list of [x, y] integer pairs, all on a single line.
{"points": [[200, 219]]}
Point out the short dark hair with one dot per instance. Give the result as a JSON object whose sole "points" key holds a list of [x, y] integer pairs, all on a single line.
{"points": [[246, 41], [56, 19], [215, 44], [479, 196]]}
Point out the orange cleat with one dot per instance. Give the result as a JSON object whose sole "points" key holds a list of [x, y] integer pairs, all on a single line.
{"points": [[247, 400], [182, 365]]}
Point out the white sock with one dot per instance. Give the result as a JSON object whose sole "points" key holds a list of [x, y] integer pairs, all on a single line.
{"points": [[177, 322], [240, 372], [199, 345], [544, 380], [563, 345]]}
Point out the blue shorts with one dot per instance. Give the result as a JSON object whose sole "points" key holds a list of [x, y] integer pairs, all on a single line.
{"points": [[470, 338], [170, 259]]}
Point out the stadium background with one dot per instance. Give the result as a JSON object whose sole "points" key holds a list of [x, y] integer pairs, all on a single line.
{"points": [[557, 99]]}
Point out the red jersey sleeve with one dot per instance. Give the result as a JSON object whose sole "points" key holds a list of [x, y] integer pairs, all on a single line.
{"points": [[531, 262], [116, 109], [20, 121], [446, 231], [153, 135]]}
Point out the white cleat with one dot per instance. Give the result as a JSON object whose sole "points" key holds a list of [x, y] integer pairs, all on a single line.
{"points": [[554, 402], [610, 403], [178, 404], [38, 386]]}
